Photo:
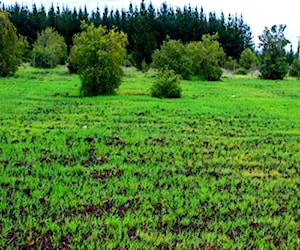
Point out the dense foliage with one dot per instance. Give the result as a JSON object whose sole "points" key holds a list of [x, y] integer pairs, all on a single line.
{"points": [[207, 58], [145, 26], [203, 59], [9, 52], [166, 85], [273, 63], [173, 56], [99, 55], [49, 49]]}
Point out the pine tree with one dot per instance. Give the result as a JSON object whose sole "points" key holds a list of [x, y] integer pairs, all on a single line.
{"points": [[273, 60]]}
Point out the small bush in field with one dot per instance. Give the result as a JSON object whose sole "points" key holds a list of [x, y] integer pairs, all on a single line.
{"points": [[241, 71], [166, 85]]}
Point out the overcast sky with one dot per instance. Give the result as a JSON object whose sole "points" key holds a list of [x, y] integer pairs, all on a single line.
{"points": [[256, 13]]}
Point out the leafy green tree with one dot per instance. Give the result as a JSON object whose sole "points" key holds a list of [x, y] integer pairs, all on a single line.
{"points": [[172, 56], [99, 55], [248, 59], [273, 61], [49, 49], [166, 85], [9, 53], [207, 57]]}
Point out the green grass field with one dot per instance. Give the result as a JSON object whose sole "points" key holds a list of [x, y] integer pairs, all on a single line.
{"points": [[217, 169]]}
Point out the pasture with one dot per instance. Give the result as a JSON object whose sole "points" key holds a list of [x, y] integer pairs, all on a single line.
{"points": [[218, 168]]}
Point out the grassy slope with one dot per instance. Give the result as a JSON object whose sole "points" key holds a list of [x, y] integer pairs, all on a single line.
{"points": [[216, 168]]}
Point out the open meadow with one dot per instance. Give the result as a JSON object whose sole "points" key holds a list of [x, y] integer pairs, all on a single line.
{"points": [[218, 168]]}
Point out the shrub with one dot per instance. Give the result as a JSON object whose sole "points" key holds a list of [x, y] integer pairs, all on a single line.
{"points": [[203, 58], [241, 71], [172, 56], [166, 85], [207, 57], [9, 52], [99, 55], [49, 49]]}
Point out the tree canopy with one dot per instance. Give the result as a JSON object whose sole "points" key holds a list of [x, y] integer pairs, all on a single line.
{"points": [[49, 49], [9, 53], [203, 59], [99, 54], [273, 59], [146, 26], [207, 57]]}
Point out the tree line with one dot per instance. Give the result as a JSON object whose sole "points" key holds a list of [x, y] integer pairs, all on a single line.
{"points": [[149, 39], [145, 26]]}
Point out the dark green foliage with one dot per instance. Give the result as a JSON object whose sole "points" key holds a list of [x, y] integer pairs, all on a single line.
{"points": [[290, 56], [173, 56], [9, 52], [234, 35], [145, 26], [241, 71], [72, 67], [273, 61], [49, 49], [28, 21], [166, 85], [295, 68], [99, 55], [143, 36]]}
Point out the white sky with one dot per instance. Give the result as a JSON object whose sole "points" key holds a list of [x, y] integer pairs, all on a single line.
{"points": [[256, 13]]}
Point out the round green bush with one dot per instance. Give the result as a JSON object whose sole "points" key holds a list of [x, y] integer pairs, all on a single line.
{"points": [[166, 85], [241, 71]]}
